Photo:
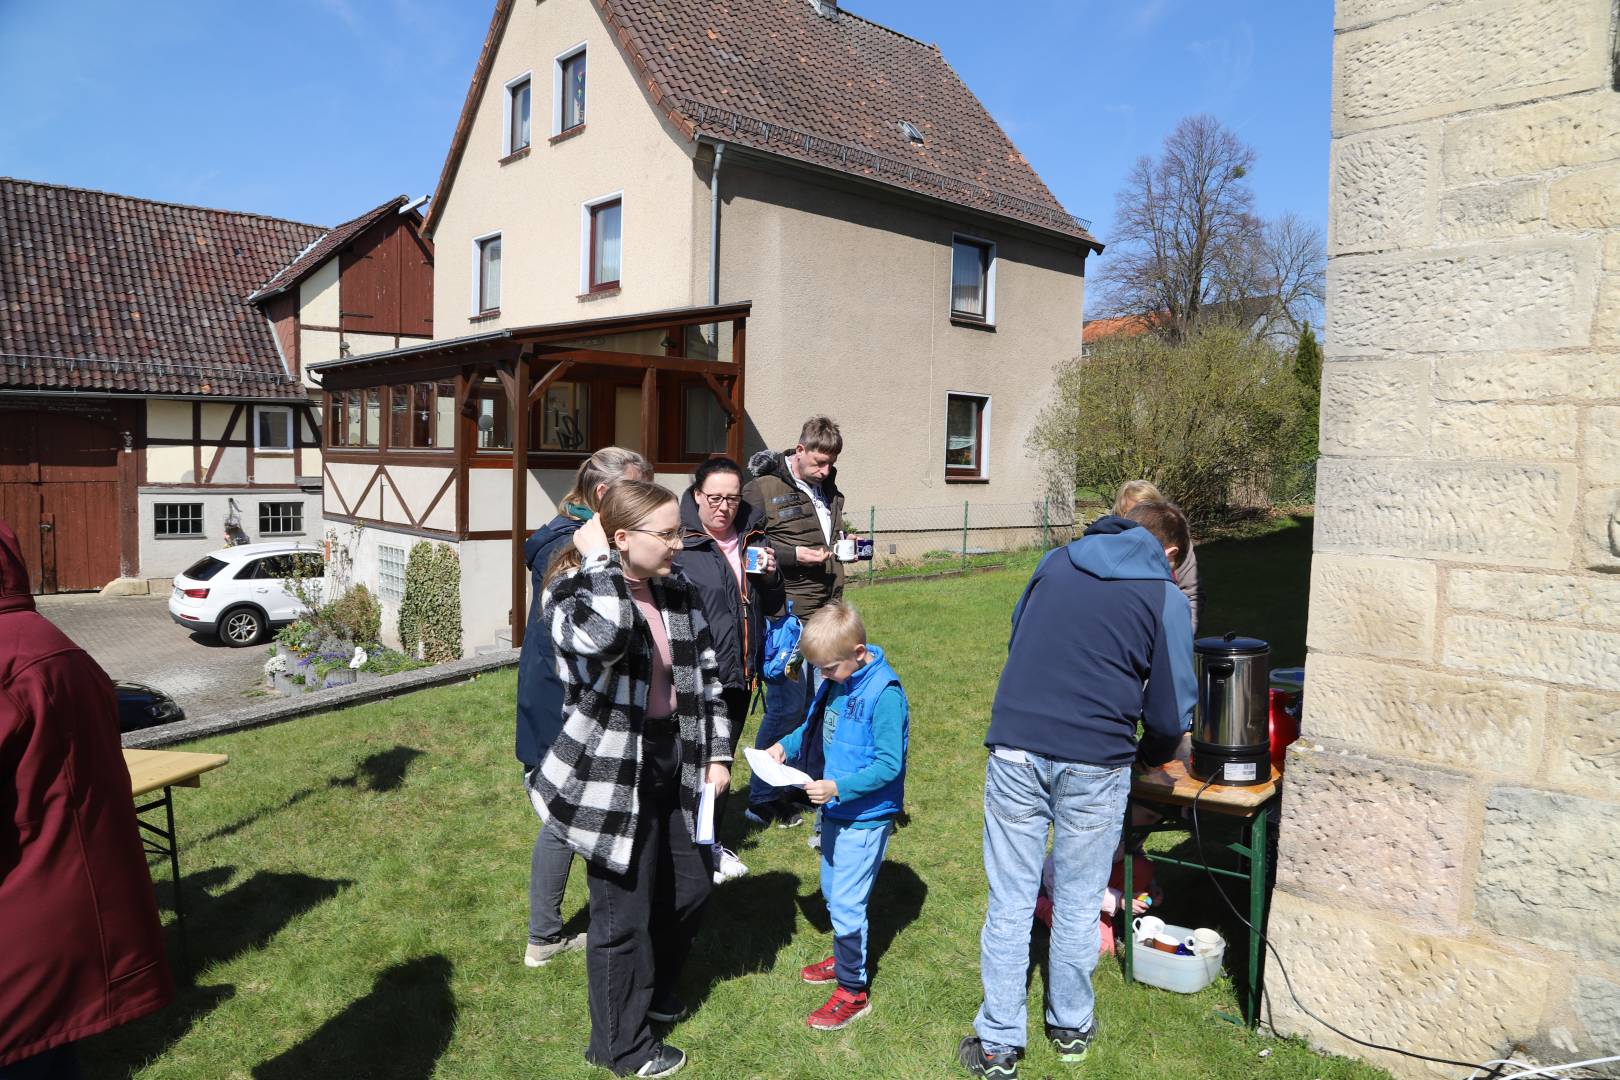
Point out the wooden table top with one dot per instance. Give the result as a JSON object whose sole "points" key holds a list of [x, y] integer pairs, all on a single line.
{"points": [[1174, 785], [150, 770]]}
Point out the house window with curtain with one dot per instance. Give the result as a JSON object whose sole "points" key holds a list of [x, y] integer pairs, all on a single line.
{"points": [[517, 113], [488, 276], [605, 241], [570, 91], [563, 420], [965, 431], [973, 280], [372, 435], [352, 419], [493, 417], [704, 430]]}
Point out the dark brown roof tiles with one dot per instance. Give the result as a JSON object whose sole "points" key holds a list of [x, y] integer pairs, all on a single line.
{"points": [[108, 293]]}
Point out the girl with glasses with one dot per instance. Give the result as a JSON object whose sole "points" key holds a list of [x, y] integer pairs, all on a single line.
{"points": [[645, 727]]}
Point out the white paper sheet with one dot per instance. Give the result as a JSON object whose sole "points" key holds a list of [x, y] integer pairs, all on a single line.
{"points": [[705, 815], [766, 768]]}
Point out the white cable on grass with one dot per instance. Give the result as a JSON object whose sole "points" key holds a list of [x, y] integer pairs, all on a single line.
{"points": [[1548, 1070]]}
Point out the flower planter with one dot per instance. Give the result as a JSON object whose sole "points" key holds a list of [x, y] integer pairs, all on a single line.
{"points": [[340, 677], [282, 683]]}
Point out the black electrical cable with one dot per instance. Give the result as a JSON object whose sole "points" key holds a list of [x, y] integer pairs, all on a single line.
{"points": [[1198, 839]]}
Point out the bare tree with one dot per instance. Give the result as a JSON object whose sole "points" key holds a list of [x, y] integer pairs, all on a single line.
{"points": [[1188, 244]]}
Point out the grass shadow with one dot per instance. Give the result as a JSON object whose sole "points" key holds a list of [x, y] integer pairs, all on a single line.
{"points": [[218, 928], [399, 1030], [746, 925], [381, 772]]}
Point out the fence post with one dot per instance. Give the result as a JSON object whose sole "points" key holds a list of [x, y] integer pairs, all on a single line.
{"points": [[964, 532], [871, 531], [1046, 529]]}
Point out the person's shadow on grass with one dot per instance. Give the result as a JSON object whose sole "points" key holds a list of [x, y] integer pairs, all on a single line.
{"points": [[397, 1031], [897, 901], [217, 928], [748, 921], [381, 772]]}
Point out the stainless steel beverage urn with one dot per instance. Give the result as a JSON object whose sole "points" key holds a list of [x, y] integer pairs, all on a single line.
{"points": [[1231, 736]]}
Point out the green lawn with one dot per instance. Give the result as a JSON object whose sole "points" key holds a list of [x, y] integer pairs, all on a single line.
{"points": [[356, 893]]}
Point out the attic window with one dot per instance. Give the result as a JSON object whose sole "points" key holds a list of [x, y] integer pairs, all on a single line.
{"points": [[910, 131]]}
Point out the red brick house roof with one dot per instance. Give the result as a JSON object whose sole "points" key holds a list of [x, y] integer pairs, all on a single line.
{"points": [[827, 90], [324, 248], [104, 293]]}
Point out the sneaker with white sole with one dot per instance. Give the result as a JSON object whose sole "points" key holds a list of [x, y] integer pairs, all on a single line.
{"points": [[539, 954], [666, 1061], [726, 865]]}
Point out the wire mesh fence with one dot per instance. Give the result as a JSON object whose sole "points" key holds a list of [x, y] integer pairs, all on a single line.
{"points": [[925, 539]]}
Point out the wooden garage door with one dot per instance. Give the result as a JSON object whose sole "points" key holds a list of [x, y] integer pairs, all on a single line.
{"points": [[59, 492]]}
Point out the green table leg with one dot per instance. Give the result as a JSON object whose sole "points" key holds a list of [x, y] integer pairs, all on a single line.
{"points": [[1259, 857]]}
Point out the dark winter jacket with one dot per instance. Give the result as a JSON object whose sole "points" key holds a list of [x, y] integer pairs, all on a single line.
{"points": [[736, 615], [81, 949], [539, 691], [1101, 638], [789, 519]]}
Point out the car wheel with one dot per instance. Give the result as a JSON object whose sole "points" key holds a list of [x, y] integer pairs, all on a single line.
{"points": [[241, 627]]}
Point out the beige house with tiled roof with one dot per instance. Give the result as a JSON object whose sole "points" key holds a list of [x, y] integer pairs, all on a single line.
{"points": [[902, 267], [152, 388]]}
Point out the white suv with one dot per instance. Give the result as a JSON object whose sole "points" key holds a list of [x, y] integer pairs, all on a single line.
{"points": [[240, 593]]}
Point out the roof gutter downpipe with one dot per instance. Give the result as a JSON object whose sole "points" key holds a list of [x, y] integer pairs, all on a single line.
{"points": [[714, 238]]}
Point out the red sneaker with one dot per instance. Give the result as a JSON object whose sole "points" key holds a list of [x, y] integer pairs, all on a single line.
{"points": [[820, 973], [841, 1009]]}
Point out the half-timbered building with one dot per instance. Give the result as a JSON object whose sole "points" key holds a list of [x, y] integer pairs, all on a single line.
{"points": [[152, 387]]}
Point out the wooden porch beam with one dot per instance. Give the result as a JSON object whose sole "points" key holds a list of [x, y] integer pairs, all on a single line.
{"points": [[723, 397], [739, 357], [517, 397], [637, 360], [557, 371], [649, 414]]}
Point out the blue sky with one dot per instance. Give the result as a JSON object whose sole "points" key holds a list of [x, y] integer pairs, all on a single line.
{"points": [[317, 110]]}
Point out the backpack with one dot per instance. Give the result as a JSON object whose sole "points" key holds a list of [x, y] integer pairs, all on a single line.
{"points": [[782, 646]]}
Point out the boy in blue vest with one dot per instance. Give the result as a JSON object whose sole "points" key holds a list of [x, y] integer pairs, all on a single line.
{"points": [[854, 739]]}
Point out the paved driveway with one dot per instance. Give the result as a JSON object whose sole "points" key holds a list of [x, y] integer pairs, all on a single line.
{"points": [[132, 637]]}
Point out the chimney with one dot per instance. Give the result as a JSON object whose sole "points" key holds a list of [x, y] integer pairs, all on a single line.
{"points": [[827, 9]]}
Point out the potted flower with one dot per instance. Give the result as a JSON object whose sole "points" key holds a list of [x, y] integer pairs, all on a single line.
{"points": [[275, 670]]}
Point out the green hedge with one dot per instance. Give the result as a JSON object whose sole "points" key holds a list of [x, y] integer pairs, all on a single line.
{"points": [[430, 613]]}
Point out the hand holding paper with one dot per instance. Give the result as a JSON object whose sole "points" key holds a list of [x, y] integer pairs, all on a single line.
{"points": [[771, 772]]}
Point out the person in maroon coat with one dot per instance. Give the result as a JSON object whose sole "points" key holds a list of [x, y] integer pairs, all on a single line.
{"points": [[81, 948]]}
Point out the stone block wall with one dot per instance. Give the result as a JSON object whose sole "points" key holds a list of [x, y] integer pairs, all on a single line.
{"points": [[1449, 878]]}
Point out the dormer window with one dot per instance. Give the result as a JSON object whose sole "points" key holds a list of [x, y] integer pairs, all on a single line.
{"points": [[909, 130]]}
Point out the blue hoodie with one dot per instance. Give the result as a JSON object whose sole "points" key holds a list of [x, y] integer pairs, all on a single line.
{"points": [[1101, 639]]}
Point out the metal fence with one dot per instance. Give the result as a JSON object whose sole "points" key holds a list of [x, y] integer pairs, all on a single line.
{"points": [[948, 536]]}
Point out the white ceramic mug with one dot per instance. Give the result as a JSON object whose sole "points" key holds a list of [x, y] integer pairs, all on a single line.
{"points": [[1204, 942], [844, 550], [1147, 927]]}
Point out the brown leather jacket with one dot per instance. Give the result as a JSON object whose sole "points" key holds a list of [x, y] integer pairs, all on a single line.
{"points": [[790, 521]]}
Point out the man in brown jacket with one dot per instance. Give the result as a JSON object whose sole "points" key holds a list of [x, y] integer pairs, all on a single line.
{"points": [[796, 492], [81, 949]]}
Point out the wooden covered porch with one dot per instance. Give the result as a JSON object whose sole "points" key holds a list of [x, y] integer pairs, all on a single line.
{"points": [[423, 421]]}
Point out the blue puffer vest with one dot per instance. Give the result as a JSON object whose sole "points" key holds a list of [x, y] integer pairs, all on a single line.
{"points": [[851, 749]]}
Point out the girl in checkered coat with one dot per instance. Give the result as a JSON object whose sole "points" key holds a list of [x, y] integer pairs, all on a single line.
{"points": [[644, 727]]}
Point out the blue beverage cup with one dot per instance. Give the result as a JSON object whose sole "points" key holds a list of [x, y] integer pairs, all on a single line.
{"points": [[754, 560]]}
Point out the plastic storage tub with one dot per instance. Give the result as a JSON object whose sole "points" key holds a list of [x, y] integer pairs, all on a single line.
{"points": [[1167, 971]]}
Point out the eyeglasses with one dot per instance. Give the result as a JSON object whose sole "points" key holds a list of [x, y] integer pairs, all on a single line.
{"points": [[717, 501], [671, 537]]}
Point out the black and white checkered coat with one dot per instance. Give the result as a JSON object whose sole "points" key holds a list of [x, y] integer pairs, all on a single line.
{"points": [[589, 780]]}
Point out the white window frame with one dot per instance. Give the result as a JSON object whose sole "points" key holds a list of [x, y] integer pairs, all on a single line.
{"points": [[985, 417], [557, 88], [989, 279], [292, 430], [478, 266], [585, 238], [507, 149]]}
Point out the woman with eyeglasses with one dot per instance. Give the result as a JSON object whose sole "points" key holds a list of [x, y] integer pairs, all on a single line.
{"points": [[644, 728], [718, 529]]}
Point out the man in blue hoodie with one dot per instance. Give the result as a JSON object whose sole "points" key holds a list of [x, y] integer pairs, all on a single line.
{"points": [[1101, 639]]}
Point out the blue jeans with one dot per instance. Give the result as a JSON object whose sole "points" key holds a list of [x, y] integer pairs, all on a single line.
{"points": [[1085, 806], [786, 703], [850, 859]]}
